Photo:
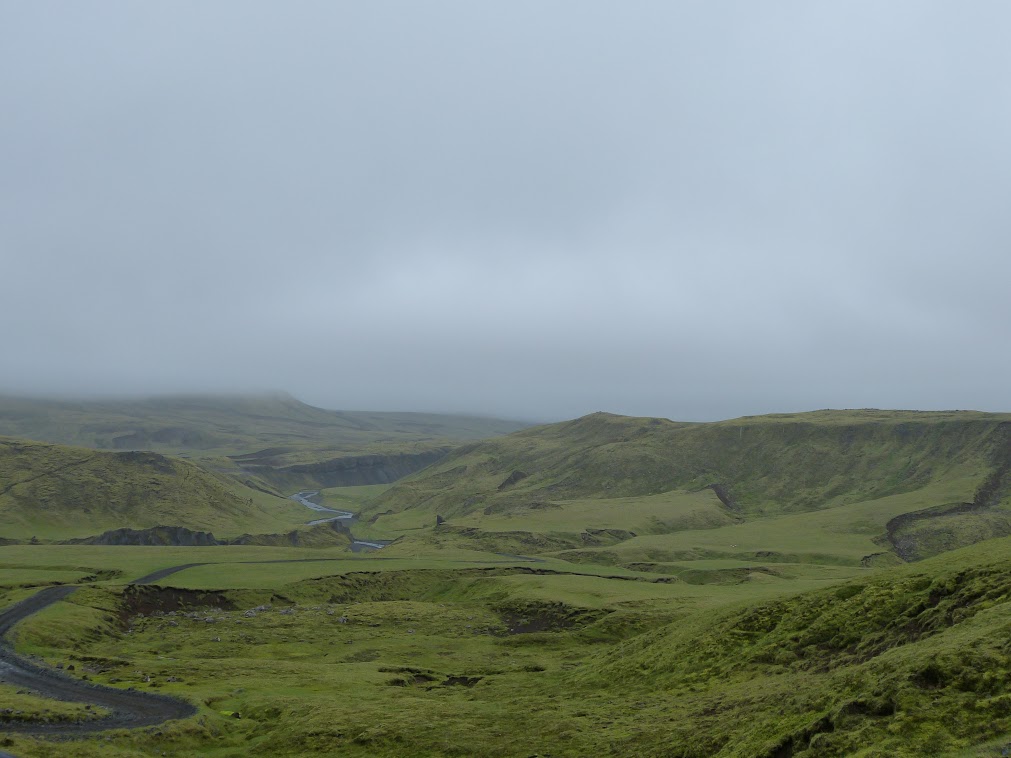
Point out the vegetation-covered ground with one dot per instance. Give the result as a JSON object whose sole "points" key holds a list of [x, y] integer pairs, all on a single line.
{"points": [[827, 485], [506, 660], [57, 492], [270, 441], [831, 584]]}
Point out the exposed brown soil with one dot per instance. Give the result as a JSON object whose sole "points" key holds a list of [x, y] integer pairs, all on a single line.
{"points": [[128, 708]]}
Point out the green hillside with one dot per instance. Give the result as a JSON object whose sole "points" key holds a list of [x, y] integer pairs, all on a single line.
{"points": [[273, 441], [58, 492], [227, 425], [912, 661], [828, 584], [907, 483], [378, 657]]}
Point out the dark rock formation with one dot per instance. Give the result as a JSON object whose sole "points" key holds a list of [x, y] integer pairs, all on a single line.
{"points": [[157, 535], [724, 495], [321, 535], [354, 470], [510, 480]]}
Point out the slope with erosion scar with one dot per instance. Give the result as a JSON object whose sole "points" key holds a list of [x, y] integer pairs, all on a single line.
{"points": [[759, 467], [271, 442]]}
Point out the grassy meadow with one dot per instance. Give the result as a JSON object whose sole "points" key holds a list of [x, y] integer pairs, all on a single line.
{"points": [[496, 659]]}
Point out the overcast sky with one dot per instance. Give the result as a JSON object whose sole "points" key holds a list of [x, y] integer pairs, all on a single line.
{"points": [[533, 209]]}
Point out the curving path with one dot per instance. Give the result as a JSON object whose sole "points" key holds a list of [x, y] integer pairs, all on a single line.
{"points": [[129, 708]]}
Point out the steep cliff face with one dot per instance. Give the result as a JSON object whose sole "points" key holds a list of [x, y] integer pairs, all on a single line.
{"points": [[329, 534], [178, 536], [350, 470], [931, 531]]}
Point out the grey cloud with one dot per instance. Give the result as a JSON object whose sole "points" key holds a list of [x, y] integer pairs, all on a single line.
{"points": [[534, 209]]}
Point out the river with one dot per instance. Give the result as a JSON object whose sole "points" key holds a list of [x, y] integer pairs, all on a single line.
{"points": [[305, 498]]}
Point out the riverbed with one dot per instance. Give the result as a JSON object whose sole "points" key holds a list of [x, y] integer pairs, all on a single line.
{"points": [[305, 498]]}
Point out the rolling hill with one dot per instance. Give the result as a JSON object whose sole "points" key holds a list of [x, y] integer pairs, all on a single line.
{"points": [[766, 587], [229, 424], [58, 492], [855, 483], [271, 441]]}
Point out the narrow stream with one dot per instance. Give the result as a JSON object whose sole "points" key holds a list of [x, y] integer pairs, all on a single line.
{"points": [[357, 546]]}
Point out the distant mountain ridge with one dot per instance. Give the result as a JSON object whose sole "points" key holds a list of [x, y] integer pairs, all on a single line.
{"points": [[229, 424], [271, 442]]}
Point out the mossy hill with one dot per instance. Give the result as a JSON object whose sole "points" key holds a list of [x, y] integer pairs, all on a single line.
{"points": [[59, 492], [228, 424], [911, 661], [523, 660], [271, 441], [701, 476]]}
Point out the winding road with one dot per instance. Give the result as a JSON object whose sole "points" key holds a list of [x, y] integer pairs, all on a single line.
{"points": [[129, 708]]}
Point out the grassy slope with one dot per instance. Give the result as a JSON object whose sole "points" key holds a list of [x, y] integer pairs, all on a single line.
{"points": [[844, 534], [913, 661], [58, 492], [255, 440], [909, 661], [768, 464], [701, 636], [649, 476], [225, 425]]}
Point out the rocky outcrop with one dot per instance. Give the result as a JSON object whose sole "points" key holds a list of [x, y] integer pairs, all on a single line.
{"points": [[329, 534], [510, 480], [354, 470], [724, 495], [178, 536]]}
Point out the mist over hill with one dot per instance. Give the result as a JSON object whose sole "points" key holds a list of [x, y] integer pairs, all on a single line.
{"points": [[271, 441], [207, 423]]}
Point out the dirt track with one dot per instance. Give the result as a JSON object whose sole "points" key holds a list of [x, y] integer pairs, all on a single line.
{"points": [[129, 708]]}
